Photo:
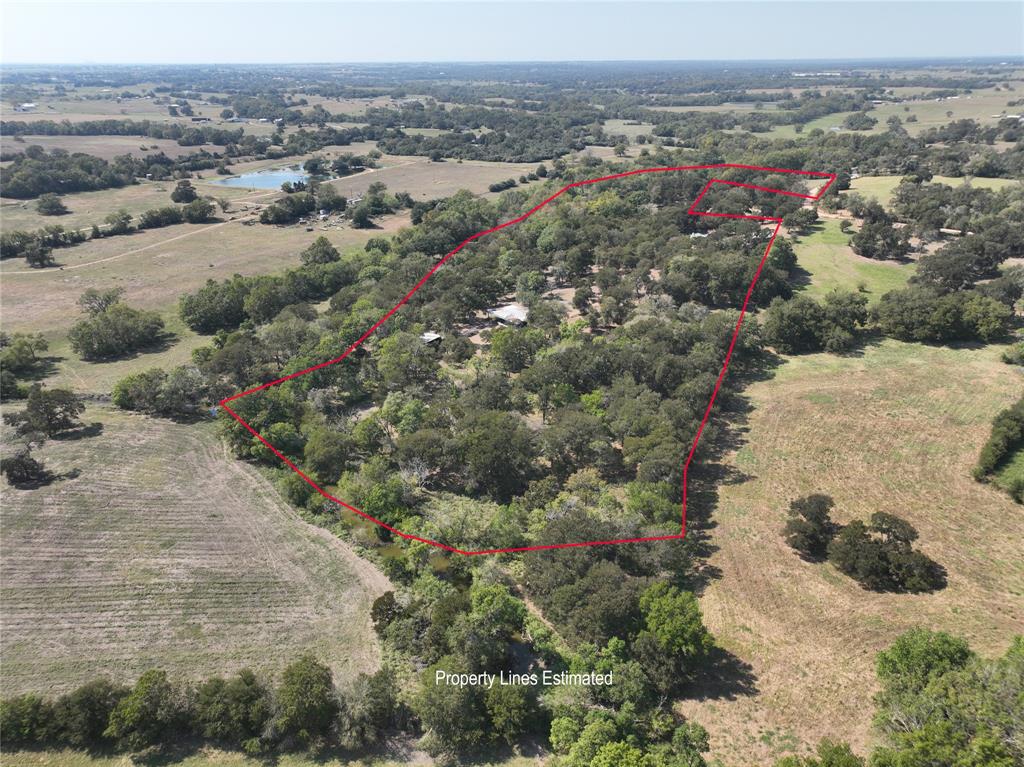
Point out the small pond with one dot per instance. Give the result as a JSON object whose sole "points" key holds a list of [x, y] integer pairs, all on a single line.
{"points": [[271, 178]]}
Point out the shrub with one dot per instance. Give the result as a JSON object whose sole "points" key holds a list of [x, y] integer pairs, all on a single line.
{"points": [[150, 714], [1006, 437], [184, 192], [83, 715], [26, 720], [50, 205], [198, 211], [22, 469], [306, 703]]}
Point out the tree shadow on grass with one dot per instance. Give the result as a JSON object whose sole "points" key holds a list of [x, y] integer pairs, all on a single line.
{"points": [[723, 677], [84, 431], [161, 344]]}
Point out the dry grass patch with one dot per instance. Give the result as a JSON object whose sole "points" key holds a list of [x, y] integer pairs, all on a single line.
{"points": [[156, 266], [166, 552], [897, 429]]}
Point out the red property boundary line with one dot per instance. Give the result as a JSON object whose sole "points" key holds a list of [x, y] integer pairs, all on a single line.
{"points": [[718, 383]]}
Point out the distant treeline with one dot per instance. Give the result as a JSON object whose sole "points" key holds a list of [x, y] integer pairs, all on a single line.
{"points": [[185, 135]]}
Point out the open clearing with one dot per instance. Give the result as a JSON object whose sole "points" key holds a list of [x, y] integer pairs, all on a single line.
{"points": [[166, 552], [88, 208], [628, 128], [426, 180], [882, 187], [826, 254], [983, 106], [898, 429], [108, 147], [156, 266]]}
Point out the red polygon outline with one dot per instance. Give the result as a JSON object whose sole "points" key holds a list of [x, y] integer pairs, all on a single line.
{"points": [[718, 383]]}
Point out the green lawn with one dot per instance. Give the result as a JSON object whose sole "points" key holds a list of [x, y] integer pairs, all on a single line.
{"points": [[826, 255]]}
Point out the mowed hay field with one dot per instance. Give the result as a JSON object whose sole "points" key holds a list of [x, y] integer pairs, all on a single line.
{"points": [[156, 266], [88, 208], [897, 429], [108, 147], [166, 552]]}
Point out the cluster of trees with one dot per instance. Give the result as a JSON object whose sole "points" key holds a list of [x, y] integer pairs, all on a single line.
{"points": [[1005, 441], [510, 135], [37, 247], [36, 171], [111, 328], [19, 359], [803, 324], [178, 393], [192, 135], [243, 711], [879, 555], [298, 203], [229, 303], [878, 236], [925, 314], [198, 211], [940, 704], [453, 629], [48, 412]]}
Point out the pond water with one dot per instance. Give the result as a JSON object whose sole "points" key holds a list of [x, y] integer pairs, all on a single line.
{"points": [[271, 178]]}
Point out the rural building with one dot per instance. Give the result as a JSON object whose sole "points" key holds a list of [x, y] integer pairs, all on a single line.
{"points": [[509, 314], [430, 338]]}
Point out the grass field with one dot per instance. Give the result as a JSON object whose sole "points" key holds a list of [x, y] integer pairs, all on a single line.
{"points": [[980, 106], [1011, 472], [826, 255], [897, 428], [882, 187], [108, 147], [166, 552], [157, 265], [627, 128], [88, 208]]}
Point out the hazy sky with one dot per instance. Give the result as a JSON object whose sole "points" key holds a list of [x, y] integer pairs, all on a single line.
{"points": [[276, 32]]}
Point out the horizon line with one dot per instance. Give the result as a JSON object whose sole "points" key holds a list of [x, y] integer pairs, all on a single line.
{"points": [[988, 57]]}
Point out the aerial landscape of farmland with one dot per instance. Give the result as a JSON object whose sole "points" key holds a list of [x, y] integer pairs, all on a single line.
{"points": [[408, 393]]}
